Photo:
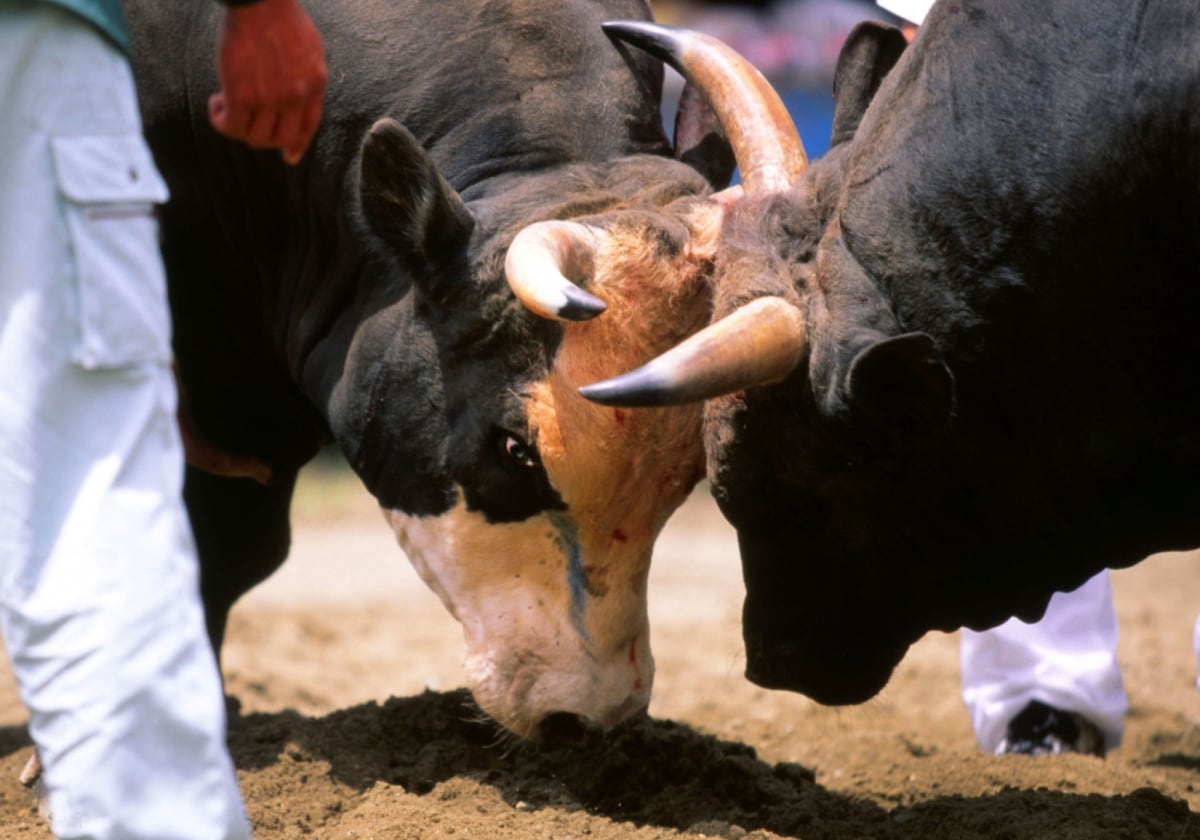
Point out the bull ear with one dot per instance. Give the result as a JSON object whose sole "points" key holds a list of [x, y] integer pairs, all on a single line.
{"points": [[406, 202], [700, 142], [869, 53], [902, 385]]}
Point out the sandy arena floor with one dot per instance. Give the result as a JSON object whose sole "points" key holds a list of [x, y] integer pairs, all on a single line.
{"points": [[352, 724]]}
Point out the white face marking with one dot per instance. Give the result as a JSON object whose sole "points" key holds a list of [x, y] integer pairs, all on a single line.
{"points": [[531, 647]]}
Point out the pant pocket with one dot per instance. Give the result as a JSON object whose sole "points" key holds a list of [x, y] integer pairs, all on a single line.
{"points": [[109, 187]]}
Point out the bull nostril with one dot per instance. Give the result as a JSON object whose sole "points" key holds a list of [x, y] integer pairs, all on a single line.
{"points": [[566, 729]]}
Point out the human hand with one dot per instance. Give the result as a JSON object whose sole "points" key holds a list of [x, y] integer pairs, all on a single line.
{"points": [[271, 66]]}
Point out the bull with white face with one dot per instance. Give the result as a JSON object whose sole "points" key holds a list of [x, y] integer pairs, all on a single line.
{"points": [[985, 386], [490, 217]]}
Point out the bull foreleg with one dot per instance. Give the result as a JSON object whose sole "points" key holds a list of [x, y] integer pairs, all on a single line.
{"points": [[242, 535]]}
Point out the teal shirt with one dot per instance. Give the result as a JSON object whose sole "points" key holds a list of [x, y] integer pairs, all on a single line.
{"points": [[107, 15]]}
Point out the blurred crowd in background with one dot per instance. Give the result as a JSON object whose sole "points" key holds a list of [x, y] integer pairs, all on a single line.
{"points": [[794, 43]]}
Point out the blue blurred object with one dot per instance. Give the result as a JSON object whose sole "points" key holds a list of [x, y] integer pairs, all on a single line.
{"points": [[812, 112], [794, 43]]}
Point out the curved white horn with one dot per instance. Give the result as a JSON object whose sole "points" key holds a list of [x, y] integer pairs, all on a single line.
{"points": [[757, 344], [765, 142], [539, 262]]}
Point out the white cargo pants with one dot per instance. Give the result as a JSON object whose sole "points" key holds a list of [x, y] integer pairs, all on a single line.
{"points": [[99, 601]]}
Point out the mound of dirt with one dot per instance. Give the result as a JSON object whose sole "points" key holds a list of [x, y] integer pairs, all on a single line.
{"points": [[648, 774]]}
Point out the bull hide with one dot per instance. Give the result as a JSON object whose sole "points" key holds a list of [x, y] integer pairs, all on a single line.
{"points": [[361, 298], [996, 397]]}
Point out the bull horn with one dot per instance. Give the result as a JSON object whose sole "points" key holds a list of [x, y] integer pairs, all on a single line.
{"points": [[765, 142], [539, 261], [758, 344]]}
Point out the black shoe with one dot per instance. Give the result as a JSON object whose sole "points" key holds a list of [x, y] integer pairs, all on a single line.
{"points": [[1039, 729]]}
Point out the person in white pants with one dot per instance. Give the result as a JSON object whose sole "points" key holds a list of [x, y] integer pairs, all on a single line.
{"points": [[1053, 685], [99, 599], [1050, 686]]}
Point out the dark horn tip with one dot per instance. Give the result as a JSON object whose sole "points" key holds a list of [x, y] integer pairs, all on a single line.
{"points": [[604, 393], [636, 389], [655, 38], [580, 305]]}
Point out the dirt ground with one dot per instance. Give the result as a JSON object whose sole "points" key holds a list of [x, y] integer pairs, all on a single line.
{"points": [[352, 724]]}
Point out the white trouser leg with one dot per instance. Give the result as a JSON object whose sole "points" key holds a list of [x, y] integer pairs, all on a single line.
{"points": [[1067, 660], [1196, 648], [99, 601]]}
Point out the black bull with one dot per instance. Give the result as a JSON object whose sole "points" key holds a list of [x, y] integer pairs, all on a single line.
{"points": [[403, 292], [997, 274]]}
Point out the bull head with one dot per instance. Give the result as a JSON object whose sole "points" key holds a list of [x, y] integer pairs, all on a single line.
{"points": [[532, 512], [813, 387], [974, 216]]}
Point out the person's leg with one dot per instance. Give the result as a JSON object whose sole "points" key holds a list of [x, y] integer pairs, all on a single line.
{"points": [[1066, 661], [1196, 648], [99, 600]]}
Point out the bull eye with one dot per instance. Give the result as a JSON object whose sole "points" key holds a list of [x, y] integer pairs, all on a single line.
{"points": [[518, 450]]}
